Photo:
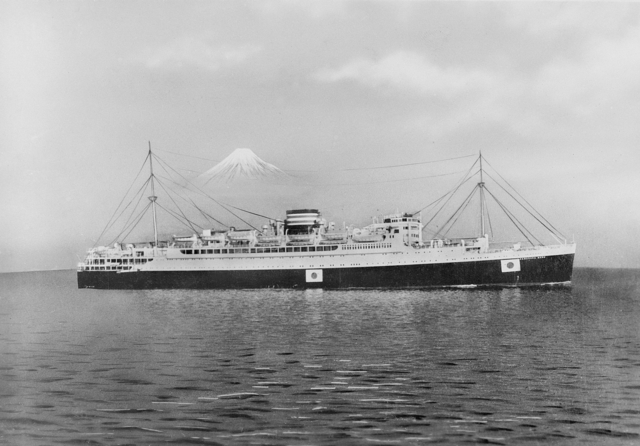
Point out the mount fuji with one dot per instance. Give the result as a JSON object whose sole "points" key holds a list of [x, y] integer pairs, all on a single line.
{"points": [[241, 164]]}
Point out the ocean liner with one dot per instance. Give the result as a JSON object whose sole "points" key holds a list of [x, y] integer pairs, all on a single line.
{"points": [[303, 250]]}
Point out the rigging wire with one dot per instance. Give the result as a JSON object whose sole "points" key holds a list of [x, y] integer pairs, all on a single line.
{"points": [[138, 194], [489, 220], [404, 165], [188, 156], [226, 204], [353, 184], [181, 220], [462, 206], [252, 213], [141, 195], [512, 217], [109, 223], [339, 170], [178, 207], [382, 182], [553, 231], [466, 177], [439, 199], [205, 194], [190, 201], [525, 200], [459, 214], [206, 215], [133, 224], [451, 194]]}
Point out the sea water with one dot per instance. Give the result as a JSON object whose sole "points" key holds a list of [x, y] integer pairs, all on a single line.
{"points": [[294, 367]]}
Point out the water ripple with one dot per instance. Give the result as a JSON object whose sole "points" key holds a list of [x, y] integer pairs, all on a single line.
{"points": [[292, 367]]}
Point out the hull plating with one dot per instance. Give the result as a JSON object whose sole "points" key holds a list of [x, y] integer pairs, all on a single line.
{"points": [[556, 269]]}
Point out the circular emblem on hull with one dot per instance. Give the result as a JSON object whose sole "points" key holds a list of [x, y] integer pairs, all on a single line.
{"points": [[314, 275]]}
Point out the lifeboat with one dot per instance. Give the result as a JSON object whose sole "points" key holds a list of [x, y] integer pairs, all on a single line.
{"points": [[368, 238], [364, 236], [300, 239], [243, 236], [334, 237], [185, 238], [213, 237], [269, 240]]}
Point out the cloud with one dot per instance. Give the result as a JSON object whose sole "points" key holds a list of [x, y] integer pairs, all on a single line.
{"points": [[409, 72], [552, 18], [605, 73], [314, 9], [194, 52]]}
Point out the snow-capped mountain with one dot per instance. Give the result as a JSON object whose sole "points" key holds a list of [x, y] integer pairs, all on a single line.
{"points": [[241, 163]]}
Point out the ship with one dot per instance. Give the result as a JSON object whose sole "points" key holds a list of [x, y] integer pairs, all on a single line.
{"points": [[303, 250]]}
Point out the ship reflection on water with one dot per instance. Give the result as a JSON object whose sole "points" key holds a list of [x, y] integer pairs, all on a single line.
{"points": [[502, 366]]}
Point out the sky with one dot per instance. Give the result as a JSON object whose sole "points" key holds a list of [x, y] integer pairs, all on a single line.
{"points": [[549, 92]]}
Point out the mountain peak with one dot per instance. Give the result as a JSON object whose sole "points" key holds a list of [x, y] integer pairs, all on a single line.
{"points": [[241, 163]]}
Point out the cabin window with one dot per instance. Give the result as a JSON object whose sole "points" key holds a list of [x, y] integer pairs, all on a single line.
{"points": [[216, 251], [245, 251], [289, 249], [253, 250], [312, 248], [223, 251]]}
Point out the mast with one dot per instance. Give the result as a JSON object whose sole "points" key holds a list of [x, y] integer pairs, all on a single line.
{"points": [[153, 199], [482, 203]]}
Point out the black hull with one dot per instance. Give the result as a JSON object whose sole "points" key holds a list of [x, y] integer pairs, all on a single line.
{"points": [[534, 272]]}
